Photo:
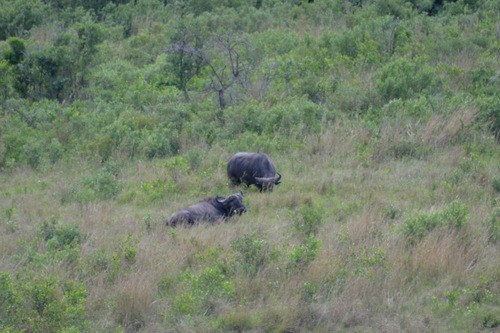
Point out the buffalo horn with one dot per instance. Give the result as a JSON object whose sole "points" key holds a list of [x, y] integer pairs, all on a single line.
{"points": [[278, 180], [263, 180]]}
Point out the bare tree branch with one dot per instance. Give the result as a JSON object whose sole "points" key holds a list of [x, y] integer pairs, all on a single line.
{"points": [[225, 47]]}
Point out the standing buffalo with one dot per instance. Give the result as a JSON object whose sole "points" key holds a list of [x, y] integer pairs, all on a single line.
{"points": [[253, 168], [211, 210]]}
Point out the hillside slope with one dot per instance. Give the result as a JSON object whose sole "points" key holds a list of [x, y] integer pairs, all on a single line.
{"points": [[382, 116]]}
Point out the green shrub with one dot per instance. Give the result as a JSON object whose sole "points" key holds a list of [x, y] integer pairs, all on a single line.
{"points": [[157, 144], [33, 152], [41, 304], [301, 256], [201, 290], [308, 219], [253, 253], [6, 80], [122, 258], [61, 236], [418, 226], [103, 145], [63, 243], [495, 183], [490, 111], [298, 114], [14, 145], [158, 189], [347, 42], [276, 41], [55, 150], [398, 108], [96, 262], [103, 185], [15, 54], [50, 71], [18, 16], [10, 303], [404, 78], [472, 306]]}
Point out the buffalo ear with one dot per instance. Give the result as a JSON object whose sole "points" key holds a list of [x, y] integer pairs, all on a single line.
{"points": [[241, 192]]}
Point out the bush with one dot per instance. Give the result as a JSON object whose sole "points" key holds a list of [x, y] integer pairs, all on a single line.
{"points": [[103, 185], [59, 238], [121, 260], [33, 152], [421, 224], [347, 42], [308, 219], [495, 183], [62, 242], [301, 256], [95, 263], [41, 304], [490, 113], [254, 252], [55, 150], [19, 16], [404, 78], [157, 144], [12, 145], [201, 290], [15, 54]]}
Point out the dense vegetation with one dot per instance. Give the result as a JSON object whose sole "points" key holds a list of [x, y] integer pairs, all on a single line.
{"points": [[383, 116]]}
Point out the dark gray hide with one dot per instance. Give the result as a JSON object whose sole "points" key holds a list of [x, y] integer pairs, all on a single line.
{"points": [[253, 169], [210, 210]]}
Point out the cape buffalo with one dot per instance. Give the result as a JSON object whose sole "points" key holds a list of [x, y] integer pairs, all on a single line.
{"points": [[211, 210], [253, 168]]}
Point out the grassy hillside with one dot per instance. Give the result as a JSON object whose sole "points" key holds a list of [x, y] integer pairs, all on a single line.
{"points": [[382, 116]]}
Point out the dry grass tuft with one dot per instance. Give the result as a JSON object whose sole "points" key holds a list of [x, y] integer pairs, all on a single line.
{"points": [[133, 301], [441, 131], [443, 253]]}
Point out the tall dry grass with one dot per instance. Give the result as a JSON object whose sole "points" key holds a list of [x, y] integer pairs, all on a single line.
{"points": [[365, 277]]}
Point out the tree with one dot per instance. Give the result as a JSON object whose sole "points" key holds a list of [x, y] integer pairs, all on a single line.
{"points": [[222, 54], [18, 16], [184, 61], [6, 80], [90, 34], [229, 68]]}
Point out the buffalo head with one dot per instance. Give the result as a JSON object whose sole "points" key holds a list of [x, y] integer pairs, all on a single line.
{"points": [[233, 204], [267, 183]]}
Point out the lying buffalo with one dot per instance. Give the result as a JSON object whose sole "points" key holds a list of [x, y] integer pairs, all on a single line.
{"points": [[253, 169], [211, 210]]}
